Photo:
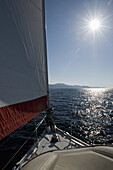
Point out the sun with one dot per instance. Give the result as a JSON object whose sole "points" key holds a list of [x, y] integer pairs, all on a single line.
{"points": [[95, 25]]}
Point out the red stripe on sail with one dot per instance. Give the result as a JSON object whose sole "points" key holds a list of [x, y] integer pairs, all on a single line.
{"points": [[16, 115]]}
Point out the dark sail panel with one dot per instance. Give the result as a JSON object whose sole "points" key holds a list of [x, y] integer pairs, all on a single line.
{"points": [[14, 116]]}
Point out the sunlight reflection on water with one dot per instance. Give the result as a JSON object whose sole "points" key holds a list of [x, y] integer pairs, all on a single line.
{"points": [[91, 109]]}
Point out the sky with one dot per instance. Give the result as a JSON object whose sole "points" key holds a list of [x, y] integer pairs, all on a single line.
{"points": [[80, 53]]}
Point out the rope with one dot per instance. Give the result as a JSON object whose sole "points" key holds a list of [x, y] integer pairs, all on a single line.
{"points": [[37, 126], [11, 135], [17, 151]]}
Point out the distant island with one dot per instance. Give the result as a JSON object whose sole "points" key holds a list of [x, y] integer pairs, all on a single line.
{"points": [[62, 85]]}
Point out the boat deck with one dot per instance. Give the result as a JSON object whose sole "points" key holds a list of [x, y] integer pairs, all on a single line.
{"points": [[66, 154], [64, 142], [45, 144]]}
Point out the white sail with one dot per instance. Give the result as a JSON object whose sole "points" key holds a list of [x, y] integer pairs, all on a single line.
{"points": [[23, 62]]}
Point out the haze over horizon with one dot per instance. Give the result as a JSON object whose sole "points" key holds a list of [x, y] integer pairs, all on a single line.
{"points": [[79, 42]]}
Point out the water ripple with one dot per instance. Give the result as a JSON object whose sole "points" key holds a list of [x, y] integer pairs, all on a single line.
{"points": [[91, 112]]}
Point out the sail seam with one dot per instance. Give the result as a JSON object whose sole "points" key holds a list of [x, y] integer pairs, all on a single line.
{"points": [[35, 5]]}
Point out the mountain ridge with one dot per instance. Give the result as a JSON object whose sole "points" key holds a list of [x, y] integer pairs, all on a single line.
{"points": [[63, 85]]}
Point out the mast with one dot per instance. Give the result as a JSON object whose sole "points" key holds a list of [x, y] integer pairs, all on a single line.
{"points": [[44, 23]]}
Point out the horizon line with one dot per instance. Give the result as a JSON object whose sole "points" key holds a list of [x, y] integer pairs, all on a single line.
{"points": [[79, 85]]}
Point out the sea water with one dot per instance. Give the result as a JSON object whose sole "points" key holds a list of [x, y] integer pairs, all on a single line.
{"points": [[88, 111]]}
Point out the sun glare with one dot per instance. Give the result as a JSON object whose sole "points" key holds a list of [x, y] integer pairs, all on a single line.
{"points": [[95, 25]]}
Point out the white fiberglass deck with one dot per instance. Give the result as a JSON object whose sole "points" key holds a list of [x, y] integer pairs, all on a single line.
{"points": [[91, 158], [65, 141], [66, 154]]}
